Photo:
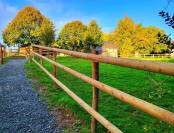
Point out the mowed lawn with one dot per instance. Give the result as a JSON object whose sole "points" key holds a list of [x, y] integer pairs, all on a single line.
{"points": [[152, 87]]}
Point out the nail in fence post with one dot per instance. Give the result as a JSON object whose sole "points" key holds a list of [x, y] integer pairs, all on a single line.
{"points": [[95, 95]]}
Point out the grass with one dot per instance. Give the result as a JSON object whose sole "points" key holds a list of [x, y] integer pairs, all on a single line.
{"points": [[155, 88]]}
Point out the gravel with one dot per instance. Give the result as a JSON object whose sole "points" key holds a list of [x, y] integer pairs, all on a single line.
{"points": [[21, 111]]}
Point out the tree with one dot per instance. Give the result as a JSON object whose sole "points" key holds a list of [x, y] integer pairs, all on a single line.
{"points": [[131, 38], [147, 41], [124, 36], [165, 39], [71, 36], [106, 37], [93, 36], [169, 20], [29, 26], [46, 33]]}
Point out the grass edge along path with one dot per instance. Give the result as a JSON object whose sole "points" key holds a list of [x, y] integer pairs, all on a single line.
{"points": [[68, 121]]}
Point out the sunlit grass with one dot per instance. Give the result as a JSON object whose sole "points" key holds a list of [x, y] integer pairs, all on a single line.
{"points": [[155, 88]]}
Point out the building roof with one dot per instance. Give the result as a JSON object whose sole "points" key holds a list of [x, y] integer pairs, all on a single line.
{"points": [[109, 44]]}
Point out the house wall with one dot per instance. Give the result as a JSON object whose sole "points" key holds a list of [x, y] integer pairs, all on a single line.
{"points": [[113, 52]]}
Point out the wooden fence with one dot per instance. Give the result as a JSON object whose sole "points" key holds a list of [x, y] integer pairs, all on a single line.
{"points": [[2, 53], [18, 52], [166, 55], [158, 112]]}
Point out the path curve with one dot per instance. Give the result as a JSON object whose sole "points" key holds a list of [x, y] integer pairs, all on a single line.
{"points": [[21, 111]]}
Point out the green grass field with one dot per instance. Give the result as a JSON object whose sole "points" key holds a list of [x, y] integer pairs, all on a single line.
{"points": [[154, 88]]}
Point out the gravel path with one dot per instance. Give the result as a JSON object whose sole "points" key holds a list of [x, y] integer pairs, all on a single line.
{"points": [[21, 111]]}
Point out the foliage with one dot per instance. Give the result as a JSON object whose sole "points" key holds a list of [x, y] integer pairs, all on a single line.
{"points": [[93, 36], [106, 37], [148, 41], [124, 36], [169, 20], [29, 26], [166, 40], [79, 37], [46, 33], [126, 48], [71, 36], [131, 38]]}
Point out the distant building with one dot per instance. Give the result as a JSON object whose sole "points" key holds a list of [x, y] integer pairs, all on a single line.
{"points": [[109, 49]]}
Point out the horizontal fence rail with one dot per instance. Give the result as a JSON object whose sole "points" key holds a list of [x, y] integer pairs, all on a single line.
{"points": [[138, 103], [90, 110], [20, 52], [165, 55], [149, 108], [158, 67]]}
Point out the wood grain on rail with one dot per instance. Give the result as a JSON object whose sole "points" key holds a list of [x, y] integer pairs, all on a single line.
{"points": [[158, 67], [149, 108], [108, 125]]}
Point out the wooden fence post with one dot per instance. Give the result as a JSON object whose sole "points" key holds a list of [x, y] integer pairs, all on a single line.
{"points": [[5, 52], [1, 54], [30, 53], [95, 95], [54, 66], [40, 52]]}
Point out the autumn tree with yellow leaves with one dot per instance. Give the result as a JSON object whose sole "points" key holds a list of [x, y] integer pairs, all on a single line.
{"points": [[130, 38], [29, 27]]}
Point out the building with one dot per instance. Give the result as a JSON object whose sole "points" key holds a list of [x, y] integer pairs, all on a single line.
{"points": [[109, 49]]}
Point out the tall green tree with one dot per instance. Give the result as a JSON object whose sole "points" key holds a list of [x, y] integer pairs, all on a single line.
{"points": [[29, 26], [93, 36], [165, 39], [71, 36]]}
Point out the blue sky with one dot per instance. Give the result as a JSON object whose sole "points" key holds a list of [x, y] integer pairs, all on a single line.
{"points": [[105, 12]]}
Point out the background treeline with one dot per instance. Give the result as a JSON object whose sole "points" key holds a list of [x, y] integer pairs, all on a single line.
{"points": [[130, 38], [79, 37], [31, 27]]}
